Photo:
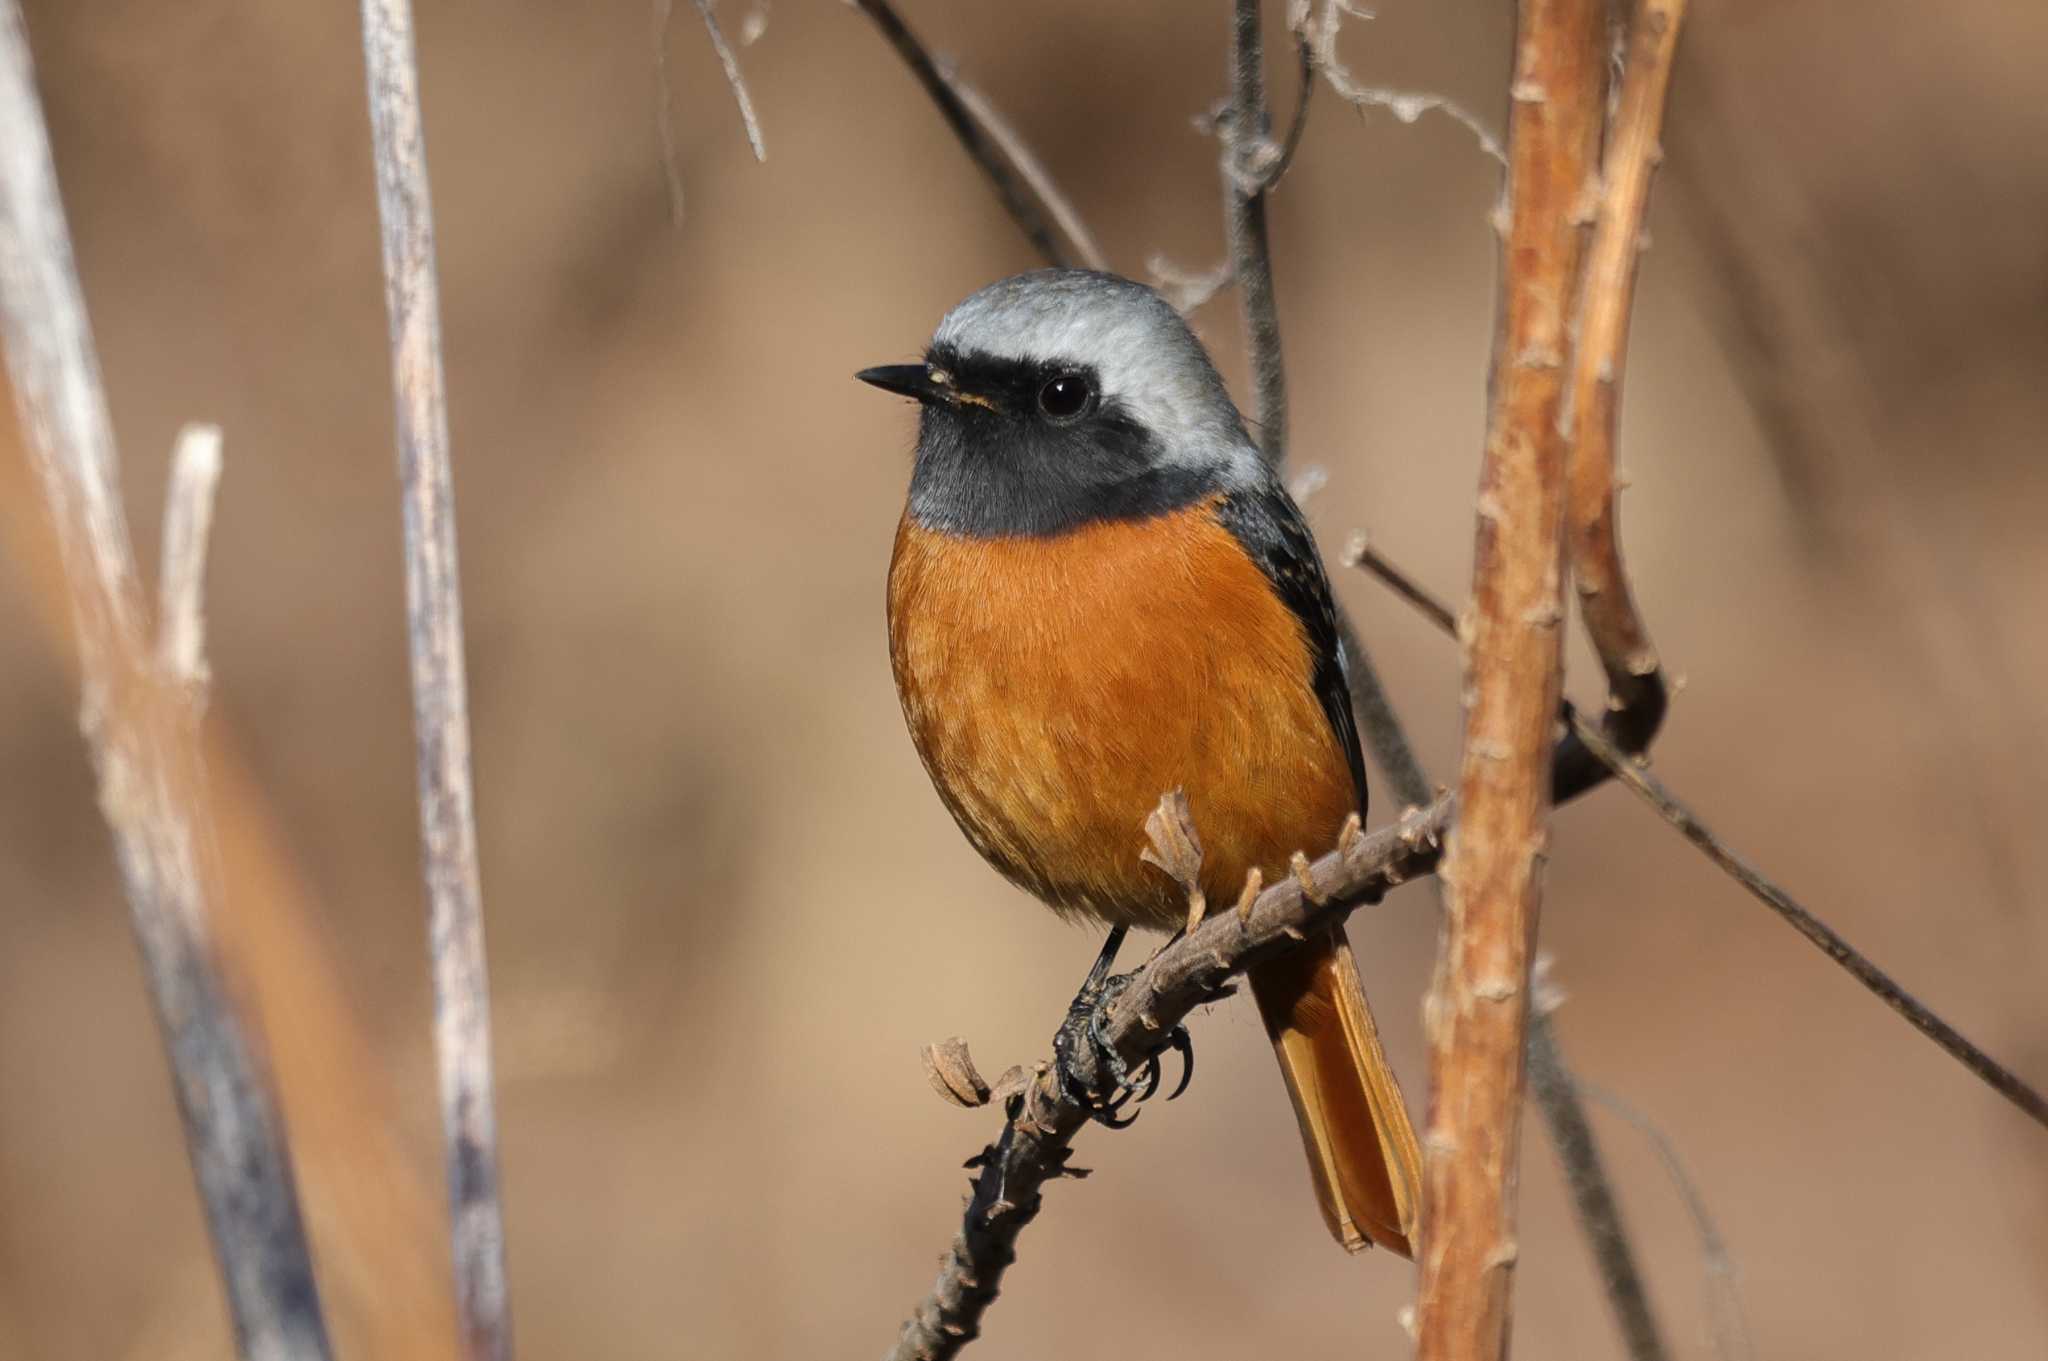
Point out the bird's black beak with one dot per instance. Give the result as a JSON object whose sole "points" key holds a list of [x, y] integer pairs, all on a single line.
{"points": [[909, 380]]}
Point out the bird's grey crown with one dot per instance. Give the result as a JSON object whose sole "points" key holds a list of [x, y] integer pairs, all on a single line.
{"points": [[1142, 352]]}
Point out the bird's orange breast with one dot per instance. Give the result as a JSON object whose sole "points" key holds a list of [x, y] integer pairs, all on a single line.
{"points": [[1057, 686]]}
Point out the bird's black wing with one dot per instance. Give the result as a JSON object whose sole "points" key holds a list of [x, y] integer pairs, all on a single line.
{"points": [[1267, 522]]}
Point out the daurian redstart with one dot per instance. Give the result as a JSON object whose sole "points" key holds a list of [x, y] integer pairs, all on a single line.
{"points": [[1101, 592]]}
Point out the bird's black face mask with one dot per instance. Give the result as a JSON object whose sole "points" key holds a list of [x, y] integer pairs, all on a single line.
{"points": [[1010, 447]]}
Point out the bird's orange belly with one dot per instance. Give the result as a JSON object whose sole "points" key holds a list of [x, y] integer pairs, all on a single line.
{"points": [[1056, 687]]}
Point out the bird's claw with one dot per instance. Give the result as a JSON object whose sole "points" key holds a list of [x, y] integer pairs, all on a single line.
{"points": [[1181, 1044]]}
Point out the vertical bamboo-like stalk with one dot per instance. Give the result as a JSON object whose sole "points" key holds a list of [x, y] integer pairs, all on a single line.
{"points": [[1478, 1012], [140, 720], [462, 1035]]}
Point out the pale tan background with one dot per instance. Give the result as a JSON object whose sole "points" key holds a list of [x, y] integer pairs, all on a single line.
{"points": [[725, 908]]}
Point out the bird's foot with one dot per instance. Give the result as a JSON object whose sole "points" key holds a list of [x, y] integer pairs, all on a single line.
{"points": [[1117, 1084]]}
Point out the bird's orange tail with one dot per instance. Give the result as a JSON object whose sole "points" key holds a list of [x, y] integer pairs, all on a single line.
{"points": [[1362, 1152]]}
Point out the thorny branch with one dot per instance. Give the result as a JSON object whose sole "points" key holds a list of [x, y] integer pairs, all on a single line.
{"points": [[1041, 1119], [462, 1027], [1476, 1016], [1550, 1080], [1636, 692], [139, 719], [1592, 1193]]}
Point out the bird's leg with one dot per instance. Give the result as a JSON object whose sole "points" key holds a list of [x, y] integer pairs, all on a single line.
{"points": [[1105, 960], [1079, 1028]]}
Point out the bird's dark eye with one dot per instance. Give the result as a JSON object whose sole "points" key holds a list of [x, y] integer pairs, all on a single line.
{"points": [[1065, 397]]}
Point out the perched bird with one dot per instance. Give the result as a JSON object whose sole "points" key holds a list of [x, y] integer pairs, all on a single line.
{"points": [[1100, 592]]}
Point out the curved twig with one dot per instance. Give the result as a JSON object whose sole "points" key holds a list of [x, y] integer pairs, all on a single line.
{"points": [[1732, 1340], [1606, 298], [1305, 78], [1405, 105]]}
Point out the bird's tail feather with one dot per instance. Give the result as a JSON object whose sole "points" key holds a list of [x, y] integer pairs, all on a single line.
{"points": [[1362, 1152]]}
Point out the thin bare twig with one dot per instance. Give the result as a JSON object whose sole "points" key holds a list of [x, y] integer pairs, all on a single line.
{"points": [[665, 110], [1917, 1014], [1249, 156], [1360, 553], [1010, 185], [1592, 1193], [1629, 769], [1732, 1340], [138, 721], [1251, 165], [1476, 1018], [1031, 168], [462, 1033], [1305, 81], [729, 61], [664, 93]]}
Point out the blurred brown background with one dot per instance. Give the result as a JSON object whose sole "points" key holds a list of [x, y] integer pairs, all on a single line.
{"points": [[725, 907]]}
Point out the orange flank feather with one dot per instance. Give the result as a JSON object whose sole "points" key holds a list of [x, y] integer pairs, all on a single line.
{"points": [[1055, 686]]}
